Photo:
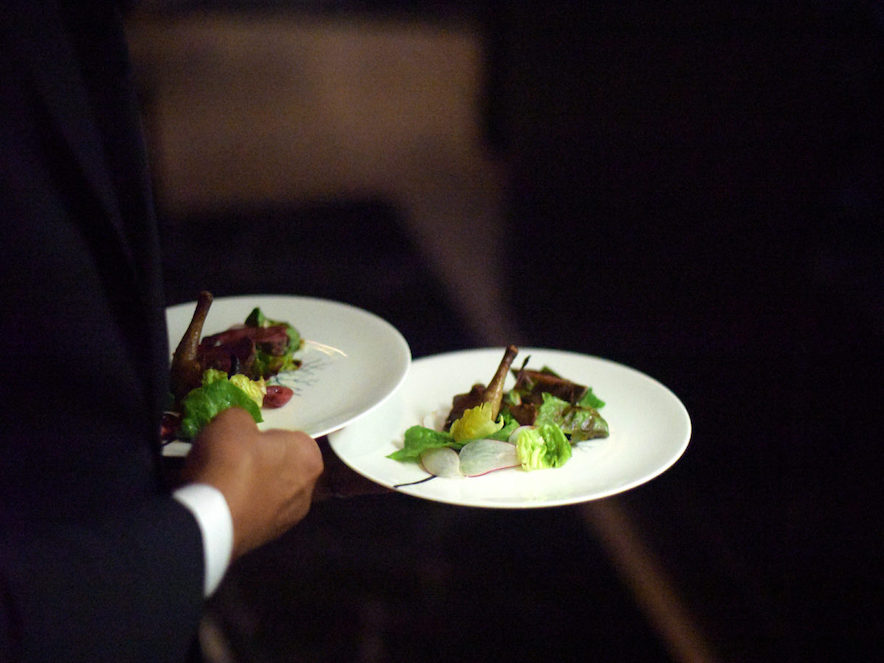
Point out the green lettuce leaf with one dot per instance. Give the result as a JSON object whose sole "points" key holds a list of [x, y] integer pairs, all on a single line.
{"points": [[578, 422], [475, 423], [266, 364], [590, 400], [254, 389], [201, 405], [509, 425], [419, 438], [257, 319], [542, 447]]}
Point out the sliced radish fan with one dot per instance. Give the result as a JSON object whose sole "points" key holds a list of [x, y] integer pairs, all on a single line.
{"points": [[483, 456], [443, 462], [475, 458]]}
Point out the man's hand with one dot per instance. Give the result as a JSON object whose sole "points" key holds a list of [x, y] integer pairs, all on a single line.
{"points": [[267, 477]]}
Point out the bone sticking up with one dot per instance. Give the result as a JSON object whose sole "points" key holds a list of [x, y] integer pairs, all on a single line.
{"points": [[494, 391], [186, 370], [479, 393]]}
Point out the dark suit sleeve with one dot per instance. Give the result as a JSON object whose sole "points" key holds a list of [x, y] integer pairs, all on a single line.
{"points": [[127, 588], [97, 561]]}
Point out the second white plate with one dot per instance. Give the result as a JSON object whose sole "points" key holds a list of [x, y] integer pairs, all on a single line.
{"points": [[650, 429]]}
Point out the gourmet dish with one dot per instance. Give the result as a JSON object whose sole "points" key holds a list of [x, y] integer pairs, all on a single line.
{"points": [[231, 368], [531, 426]]}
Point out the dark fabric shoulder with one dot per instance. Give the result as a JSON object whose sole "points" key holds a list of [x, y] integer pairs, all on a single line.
{"points": [[97, 561], [82, 383]]}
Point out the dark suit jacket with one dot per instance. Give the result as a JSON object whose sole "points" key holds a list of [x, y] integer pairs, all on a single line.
{"points": [[97, 562]]}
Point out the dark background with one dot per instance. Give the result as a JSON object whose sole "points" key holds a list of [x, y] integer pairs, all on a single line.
{"points": [[695, 191]]}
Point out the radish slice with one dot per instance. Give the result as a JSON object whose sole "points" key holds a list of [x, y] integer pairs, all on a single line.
{"points": [[442, 462], [483, 456]]}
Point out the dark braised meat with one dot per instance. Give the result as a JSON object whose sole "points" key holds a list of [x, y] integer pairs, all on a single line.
{"points": [[234, 350], [530, 387], [525, 413], [234, 356], [537, 382], [463, 402], [479, 394], [273, 340]]}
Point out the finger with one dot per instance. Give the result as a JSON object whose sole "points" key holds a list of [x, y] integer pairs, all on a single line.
{"points": [[234, 417]]}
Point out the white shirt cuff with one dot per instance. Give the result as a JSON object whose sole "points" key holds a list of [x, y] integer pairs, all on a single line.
{"points": [[212, 514]]}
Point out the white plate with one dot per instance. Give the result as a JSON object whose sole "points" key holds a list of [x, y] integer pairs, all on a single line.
{"points": [[361, 361], [650, 429]]}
